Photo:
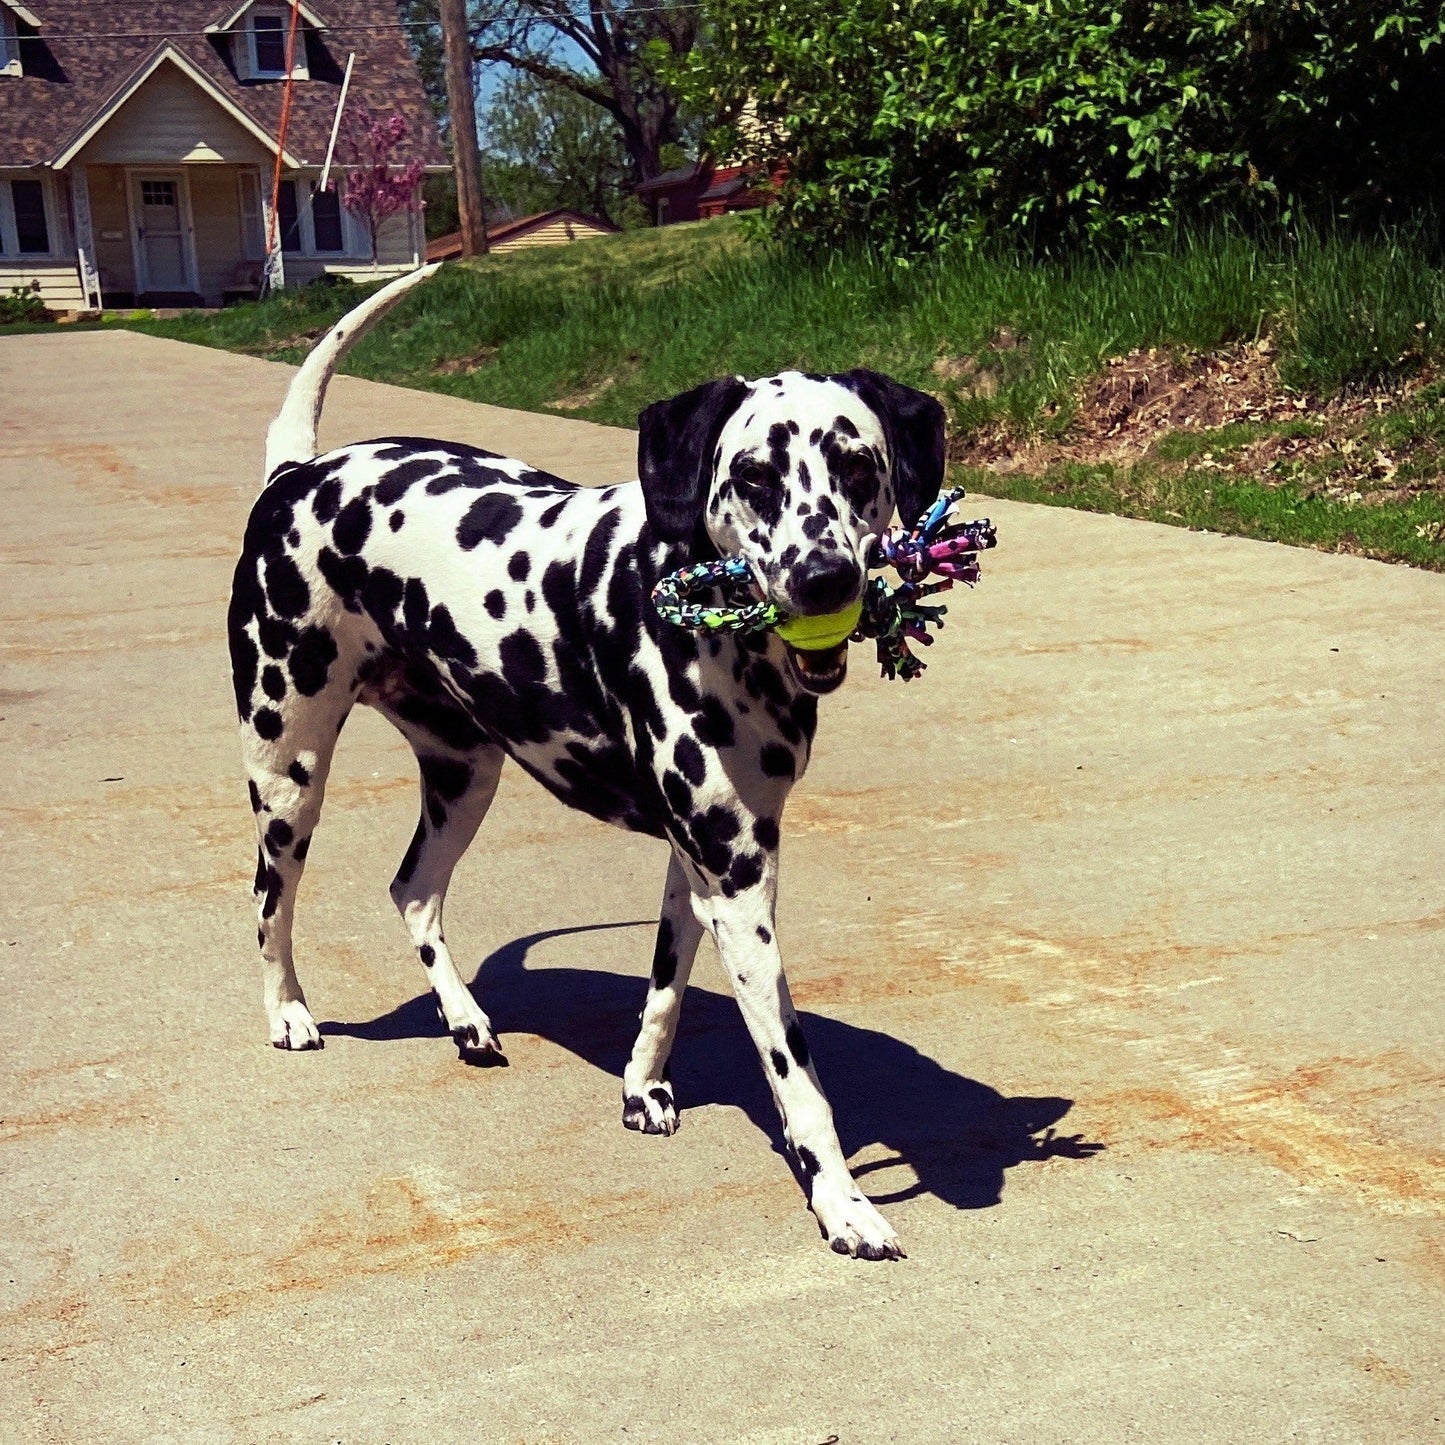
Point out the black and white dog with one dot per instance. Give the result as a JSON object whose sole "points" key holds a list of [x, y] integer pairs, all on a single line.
{"points": [[492, 611]]}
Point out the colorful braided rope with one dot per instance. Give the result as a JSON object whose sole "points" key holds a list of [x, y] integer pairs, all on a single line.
{"points": [[892, 616]]}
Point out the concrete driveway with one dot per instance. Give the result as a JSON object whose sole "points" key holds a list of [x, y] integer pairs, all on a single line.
{"points": [[1118, 937]]}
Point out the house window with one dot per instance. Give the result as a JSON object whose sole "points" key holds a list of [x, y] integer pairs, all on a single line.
{"points": [[24, 219], [266, 37], [312, 222], [290, 219], [326, 222], [9, 44]]}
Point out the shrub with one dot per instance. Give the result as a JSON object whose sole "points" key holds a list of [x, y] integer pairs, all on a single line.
{"points": [[911, 122], [23, 304]]}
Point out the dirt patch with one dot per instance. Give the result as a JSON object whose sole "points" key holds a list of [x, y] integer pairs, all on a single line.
{"points": [[467, 365], [1139, 400]]}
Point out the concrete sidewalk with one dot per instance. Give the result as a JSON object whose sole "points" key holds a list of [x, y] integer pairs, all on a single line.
{"points": [[1118, 939]]}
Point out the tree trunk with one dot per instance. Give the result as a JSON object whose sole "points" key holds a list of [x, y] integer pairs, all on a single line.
{"points": [[461, 102]]}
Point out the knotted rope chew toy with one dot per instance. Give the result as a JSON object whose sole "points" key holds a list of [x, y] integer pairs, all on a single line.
{"points": [[891, 616]]}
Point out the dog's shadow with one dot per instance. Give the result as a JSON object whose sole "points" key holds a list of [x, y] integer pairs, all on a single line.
{"points": [[956, 1135]]}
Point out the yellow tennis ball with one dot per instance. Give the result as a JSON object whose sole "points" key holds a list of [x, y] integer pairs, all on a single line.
{"points": [[820, 634]]}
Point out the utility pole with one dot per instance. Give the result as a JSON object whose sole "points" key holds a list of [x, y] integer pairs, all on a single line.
{"points": [[461, 103]]}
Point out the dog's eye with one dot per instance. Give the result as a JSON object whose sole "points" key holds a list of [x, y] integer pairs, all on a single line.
{"points": [[753, 477]]}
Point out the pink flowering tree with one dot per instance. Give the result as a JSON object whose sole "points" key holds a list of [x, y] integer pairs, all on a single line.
{"points": [[375, 190]]}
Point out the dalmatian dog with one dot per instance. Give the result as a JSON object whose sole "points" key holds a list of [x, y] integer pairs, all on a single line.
{"points": [[491, 611]]}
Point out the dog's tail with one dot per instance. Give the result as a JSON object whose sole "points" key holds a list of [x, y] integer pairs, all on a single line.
{"points": [[292, 437]]}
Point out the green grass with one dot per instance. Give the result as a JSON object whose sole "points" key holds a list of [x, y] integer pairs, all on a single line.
{"points": [[603, 327]]}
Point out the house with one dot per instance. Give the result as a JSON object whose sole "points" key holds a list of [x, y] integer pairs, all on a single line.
{"points": [[546, 228], [139, 141], [700, 191]]}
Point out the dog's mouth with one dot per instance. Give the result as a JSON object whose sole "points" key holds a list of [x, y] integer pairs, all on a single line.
{"points": [[820, 672]]}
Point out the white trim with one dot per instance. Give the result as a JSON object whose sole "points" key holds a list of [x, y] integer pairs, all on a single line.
{"points": [[28, 16], [133, 176], [107, 112], [307, 14], [354, 246]]}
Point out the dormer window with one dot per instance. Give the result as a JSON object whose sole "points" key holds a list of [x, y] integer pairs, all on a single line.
{"points": [[258, 31], [267, 33]]}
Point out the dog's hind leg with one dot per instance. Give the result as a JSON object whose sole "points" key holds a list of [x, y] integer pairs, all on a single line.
{"points": [[456, 791], [287, 753], [647, 1102]]}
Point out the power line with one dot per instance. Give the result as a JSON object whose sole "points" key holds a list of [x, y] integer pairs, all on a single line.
{"points": [[46, 36]]}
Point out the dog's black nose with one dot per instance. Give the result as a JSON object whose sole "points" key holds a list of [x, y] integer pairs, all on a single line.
{"points": [[824, 582]]}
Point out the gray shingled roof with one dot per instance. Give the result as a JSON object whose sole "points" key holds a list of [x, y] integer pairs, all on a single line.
{"points": [[66, 81]]}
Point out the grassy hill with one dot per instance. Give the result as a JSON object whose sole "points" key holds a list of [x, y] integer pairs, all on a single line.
{"points": [[1281, 390]]}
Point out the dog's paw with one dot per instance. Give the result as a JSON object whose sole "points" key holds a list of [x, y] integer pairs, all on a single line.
{"points": [[651, 1111], [295, 1029], [479, 1047], [852, 1226]]}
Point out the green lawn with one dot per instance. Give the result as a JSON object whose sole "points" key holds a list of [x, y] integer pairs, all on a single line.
{"points": [[600, 328]]}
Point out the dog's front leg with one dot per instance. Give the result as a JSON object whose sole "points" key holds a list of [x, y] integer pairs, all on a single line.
{"points": [[647, 1102], [747, 941]]}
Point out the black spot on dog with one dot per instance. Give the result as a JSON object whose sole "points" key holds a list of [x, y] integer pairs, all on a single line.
{"points": [[495, 603], [521, 658], [412, 854], [396, 520], [797, 1044], [326, 501], [713, 725], [689, 759], [815, 526], [549, 517], [815, 436], [664, 960], [311, 660], [765, 830], [764, 934], [489, 519], [809, 1161], [427, 954], [677, 793], [267, 723], [286, 589], [519, 565], [416, 609], [381, 595], [805, 478], [346, 576], [530, 599], [400, 479], [278, 835], [746, 872], [789, 555], [827, 507], [446, 777], [300, 851], [776, 761], [255, 792], [445, 639], [353, 527], [780, 1063], [244, 659], [842, 425], [273, 682]]}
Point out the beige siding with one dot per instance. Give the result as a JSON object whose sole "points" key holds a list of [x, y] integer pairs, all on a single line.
{"points": [[394, 254], [216, 209], [109, 217], [555, 233], [166, 121], [59, 281]]}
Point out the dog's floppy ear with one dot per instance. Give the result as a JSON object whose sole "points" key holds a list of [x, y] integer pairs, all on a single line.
{"points": [[913, 423], [674, 454]]}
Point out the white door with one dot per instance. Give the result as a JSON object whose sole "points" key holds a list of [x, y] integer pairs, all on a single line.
{"points": [[162, 235]]}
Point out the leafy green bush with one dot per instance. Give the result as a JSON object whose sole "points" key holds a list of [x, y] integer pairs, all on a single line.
{"points": [[22, 305], [911, 122]]}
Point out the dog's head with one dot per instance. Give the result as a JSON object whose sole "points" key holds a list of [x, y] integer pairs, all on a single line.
{"points": [[796, 475]]}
